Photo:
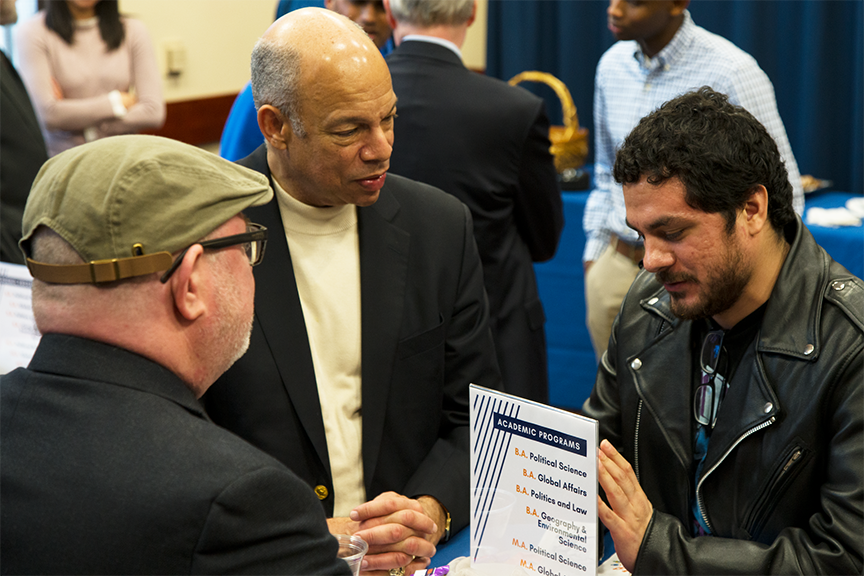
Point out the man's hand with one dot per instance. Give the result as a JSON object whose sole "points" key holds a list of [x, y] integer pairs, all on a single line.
{"points": [[631, 510], [399, 531]]}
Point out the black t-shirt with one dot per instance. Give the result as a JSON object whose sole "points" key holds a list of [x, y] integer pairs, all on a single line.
{"points": [[736, 341]]}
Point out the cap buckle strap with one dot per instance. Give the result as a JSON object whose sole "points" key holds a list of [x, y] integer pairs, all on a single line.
{"points": [[98, 271]]}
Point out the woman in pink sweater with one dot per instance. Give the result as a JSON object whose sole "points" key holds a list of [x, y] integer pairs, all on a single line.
{"points": [[91, 73]]}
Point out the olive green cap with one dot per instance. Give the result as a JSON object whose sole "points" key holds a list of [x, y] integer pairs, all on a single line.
{"points": [[125, 197]]}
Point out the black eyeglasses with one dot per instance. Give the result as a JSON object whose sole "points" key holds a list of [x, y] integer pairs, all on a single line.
{"points": [[254, 241], [709, 395]]}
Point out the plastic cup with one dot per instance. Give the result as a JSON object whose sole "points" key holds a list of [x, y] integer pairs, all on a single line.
{"points": [[352, 549]]}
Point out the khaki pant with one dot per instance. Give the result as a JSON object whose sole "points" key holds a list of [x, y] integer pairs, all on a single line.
{"points": [[606, 284]]}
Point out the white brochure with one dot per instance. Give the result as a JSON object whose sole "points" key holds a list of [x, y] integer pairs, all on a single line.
{"points": [[533, 487], [18, 334]]}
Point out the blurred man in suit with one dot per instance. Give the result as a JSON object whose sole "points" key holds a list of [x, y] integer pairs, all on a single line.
{"points": [[487, 143], [371, 318], [143, 292], [22, 148]]}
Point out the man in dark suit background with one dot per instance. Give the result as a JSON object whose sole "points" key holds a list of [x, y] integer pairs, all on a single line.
{"points": [[109, 463], [487, 143], [371, 318], [22, 148]]}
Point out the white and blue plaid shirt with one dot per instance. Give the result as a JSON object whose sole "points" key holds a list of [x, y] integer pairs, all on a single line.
{"points": [[629, 85]]}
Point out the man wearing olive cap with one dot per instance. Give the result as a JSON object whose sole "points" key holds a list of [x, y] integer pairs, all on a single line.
{"points": [[143, 292]]}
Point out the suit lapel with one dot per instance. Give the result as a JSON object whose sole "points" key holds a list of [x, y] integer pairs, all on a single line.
{"points": [[384, 251], [280, 316]]}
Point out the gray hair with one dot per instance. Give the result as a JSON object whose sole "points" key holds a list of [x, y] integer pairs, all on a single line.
{"points": [[432, 12], [65, 299], [276, 80], [48, 247]]}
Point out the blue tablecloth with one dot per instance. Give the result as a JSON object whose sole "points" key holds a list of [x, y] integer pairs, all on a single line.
{"points": [[844, 244], [572, 366], [459, 545]]}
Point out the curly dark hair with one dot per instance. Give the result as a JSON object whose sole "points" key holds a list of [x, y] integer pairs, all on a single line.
{"points": [[59, 19], [719, 151]]}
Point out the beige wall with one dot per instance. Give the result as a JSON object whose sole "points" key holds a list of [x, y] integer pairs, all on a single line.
{"points": [[215, 38], [474, 49]]}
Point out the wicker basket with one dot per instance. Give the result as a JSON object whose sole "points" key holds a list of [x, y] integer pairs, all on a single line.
{"points": [[569, 142]]}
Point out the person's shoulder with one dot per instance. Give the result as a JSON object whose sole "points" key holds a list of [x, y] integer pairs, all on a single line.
{"points": [[722, 51], [33, 25], [214, 451], [256, 160], [415, 191], [846, 292], [617, 60], [418, 199], [504, 94], [621, 51], [134, 27]]}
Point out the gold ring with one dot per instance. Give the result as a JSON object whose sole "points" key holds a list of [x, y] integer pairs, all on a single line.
{"points": [[397, 571]]}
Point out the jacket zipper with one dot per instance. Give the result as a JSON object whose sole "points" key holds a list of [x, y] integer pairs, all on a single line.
{"points": [[791, 461], [710, 470], [755, 515]]}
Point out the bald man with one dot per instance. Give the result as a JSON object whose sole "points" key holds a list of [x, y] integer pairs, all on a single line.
{"points": [[241, 136], [371, 318]]}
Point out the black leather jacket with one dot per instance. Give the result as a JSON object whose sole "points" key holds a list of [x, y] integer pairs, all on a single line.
{"points": [[783, 482]]}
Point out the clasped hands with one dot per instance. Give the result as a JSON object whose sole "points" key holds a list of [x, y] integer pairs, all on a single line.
{"points": [[400, 531], [630, 512]]}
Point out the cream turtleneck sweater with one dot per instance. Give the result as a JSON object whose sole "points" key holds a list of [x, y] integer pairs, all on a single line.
{"points": [[325, 254]]}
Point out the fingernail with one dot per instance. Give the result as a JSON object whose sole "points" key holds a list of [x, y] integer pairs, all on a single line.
{"points": [[353, 515], [364, 564]]}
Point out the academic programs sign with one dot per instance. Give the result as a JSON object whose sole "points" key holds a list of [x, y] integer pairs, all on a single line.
{"points": [[533, 487]]}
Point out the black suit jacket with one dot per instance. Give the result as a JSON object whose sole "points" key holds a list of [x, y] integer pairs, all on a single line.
{"points": [[22, 153], [111, 466], [425, 337], [487, 143]]}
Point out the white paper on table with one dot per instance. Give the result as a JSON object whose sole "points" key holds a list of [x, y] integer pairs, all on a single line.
{"points": [[832, 217], [533, 486], [18, 334], [856, 206]]}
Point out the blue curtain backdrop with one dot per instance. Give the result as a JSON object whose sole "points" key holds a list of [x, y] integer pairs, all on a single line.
{"points": [[812, 50]]}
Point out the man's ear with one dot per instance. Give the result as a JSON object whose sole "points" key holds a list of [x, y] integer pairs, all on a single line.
{"points": [[473, 13], [391, 21], [187, 283], [276, 129], [756, 210], [679, 6]]}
